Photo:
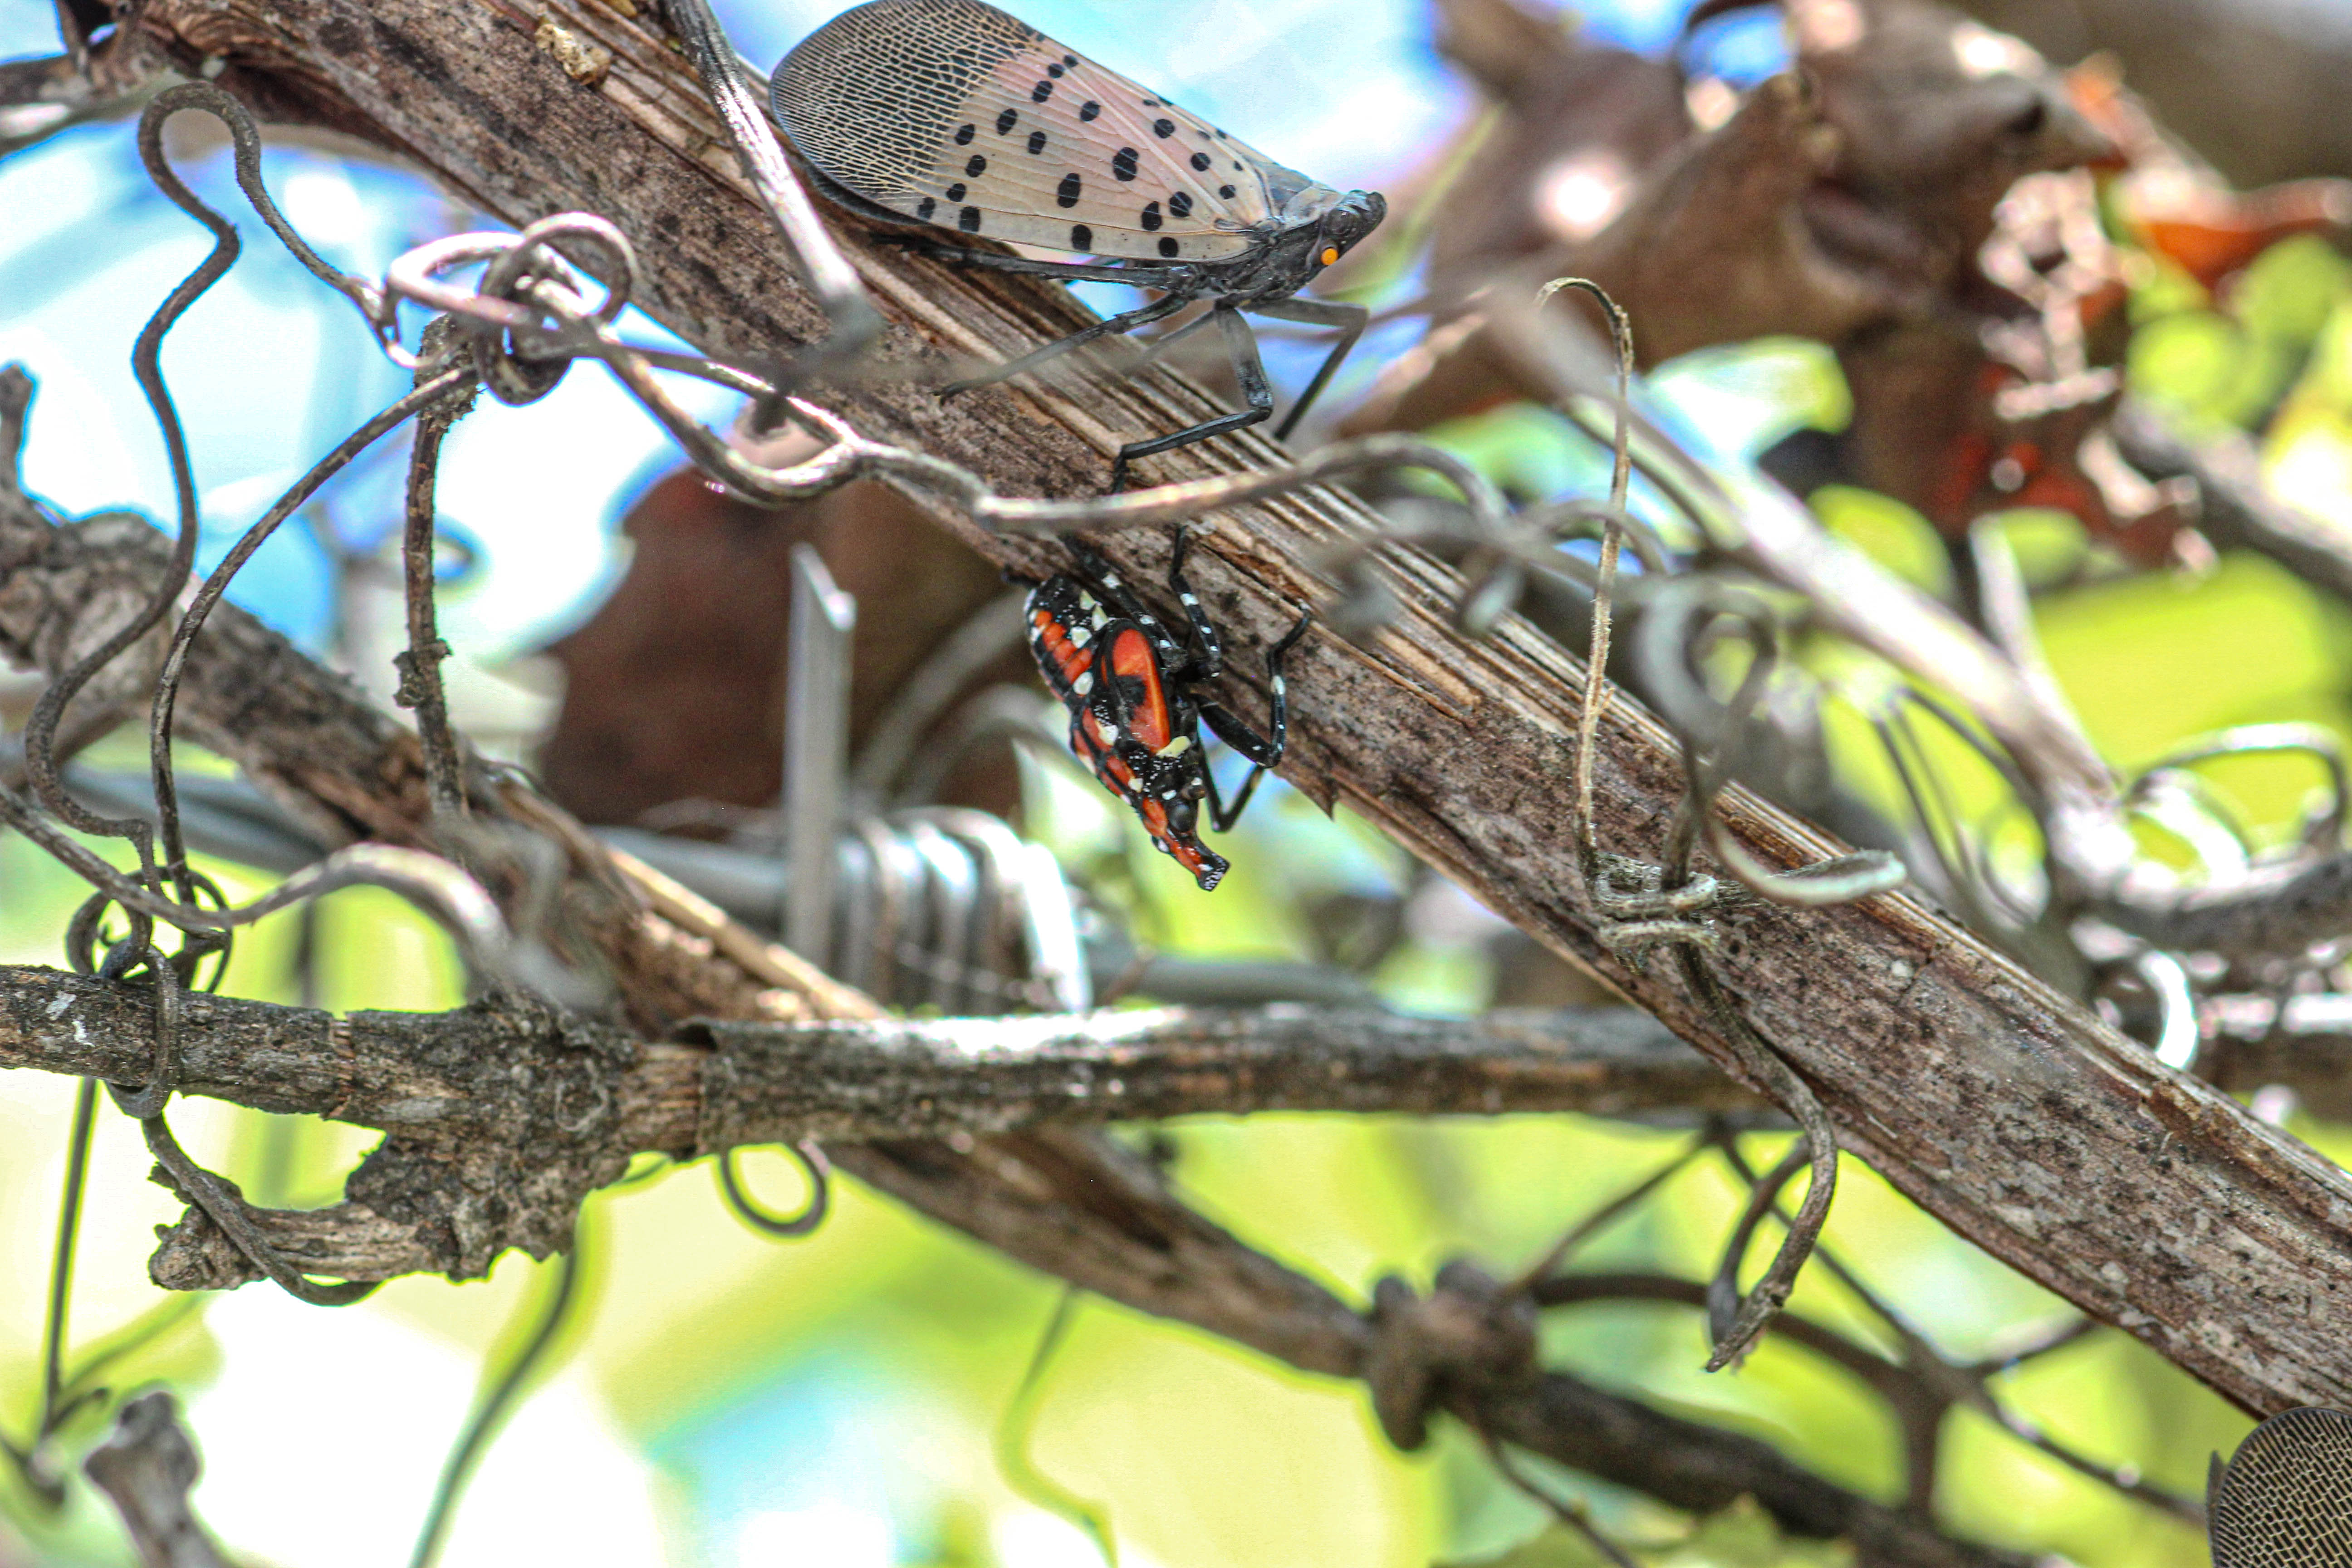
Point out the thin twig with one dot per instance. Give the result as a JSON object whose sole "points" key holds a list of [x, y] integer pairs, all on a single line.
{"points": [[421, 687], [31, 1461], [791, 1227], [554, 1315], [1596, 659], [146, 1468], [1014, 1460], [1569, 1512], [1577, 1235]]}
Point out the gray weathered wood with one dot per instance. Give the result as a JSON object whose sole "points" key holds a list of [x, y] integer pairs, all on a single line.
{"points": [[2062, 1149]]}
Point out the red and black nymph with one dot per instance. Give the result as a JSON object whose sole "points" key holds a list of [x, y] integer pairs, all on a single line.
{"points": [[1135, 720]]}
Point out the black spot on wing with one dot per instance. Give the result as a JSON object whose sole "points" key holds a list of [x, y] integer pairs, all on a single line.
{"points": [[1088, 110], [1036, 143], [1041, 92], [1169, 248], [1151, 215], [963, 136], [955, 192], [1227, 192], [1122, 166], [926, 207], [1005, 122], [1200, 159], [968, 220], [1180, 204], [1057, 69], [976, 168], [1081, 238], [1164, 129], [1066, 194]]}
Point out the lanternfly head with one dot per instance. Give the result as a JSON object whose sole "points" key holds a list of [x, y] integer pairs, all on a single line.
{"points": [[1351, 218], [1172, 786]]}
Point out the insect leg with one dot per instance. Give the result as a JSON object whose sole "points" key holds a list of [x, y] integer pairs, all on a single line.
{"points": [[1350, 320], [1208, 649], [1169, 339], [1180, 278], [1242, 343], [1264, 751], [1120, 598], [1166, 305]]}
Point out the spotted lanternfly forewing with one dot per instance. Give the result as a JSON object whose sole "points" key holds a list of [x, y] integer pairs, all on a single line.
{"points": [[1135, 720], [953, 115], [2284, 1500]]}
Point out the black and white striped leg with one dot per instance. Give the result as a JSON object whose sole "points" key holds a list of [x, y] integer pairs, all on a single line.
{"points": [[1264, 751], [1166, 305], [1242, 343], [1208, 649], [1350, 320]]}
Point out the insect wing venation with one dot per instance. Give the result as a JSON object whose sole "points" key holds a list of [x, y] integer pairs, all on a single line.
{"points": [[954, 113]]}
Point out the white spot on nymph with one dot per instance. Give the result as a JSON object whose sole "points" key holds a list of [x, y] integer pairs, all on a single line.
{"points": [[1086, 600], [1083, 683], [1106, 732], [1175, 748], [1277, 683], [57, 1007], [1168, 794], [1080, 637], [1188, 599]]}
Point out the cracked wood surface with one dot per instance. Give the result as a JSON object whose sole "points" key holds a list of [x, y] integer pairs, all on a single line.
{"points": [[562, 1101], [2147, 1199], [500, 1118], [724, 1083]]}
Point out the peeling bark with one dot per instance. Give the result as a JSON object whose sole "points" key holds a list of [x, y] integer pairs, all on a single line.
{"points": [[502, 1117], [2147, 1199]]}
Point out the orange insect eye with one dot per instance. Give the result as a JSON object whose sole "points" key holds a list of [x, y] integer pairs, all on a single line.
{"points": [[1331, 254]]}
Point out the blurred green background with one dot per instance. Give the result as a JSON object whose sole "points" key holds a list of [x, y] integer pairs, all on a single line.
{"points": [[729, 1400]]}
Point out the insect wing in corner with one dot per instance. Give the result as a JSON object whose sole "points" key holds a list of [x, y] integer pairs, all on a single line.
{"points": [[953, 113]]}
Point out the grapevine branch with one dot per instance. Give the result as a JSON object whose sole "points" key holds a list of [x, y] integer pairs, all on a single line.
{"points": [[486, 1199], [1938, 1061]]}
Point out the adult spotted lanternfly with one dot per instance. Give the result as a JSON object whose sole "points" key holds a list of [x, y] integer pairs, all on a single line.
{"points": [[1133, 717], [951, 112]]}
